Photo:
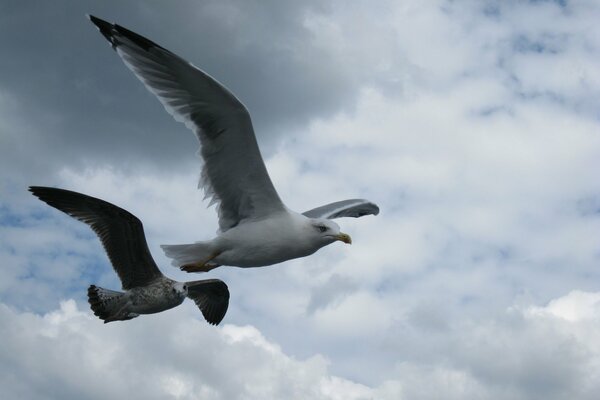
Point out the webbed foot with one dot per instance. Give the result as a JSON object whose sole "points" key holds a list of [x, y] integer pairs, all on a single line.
{"points": [[201, 266]]}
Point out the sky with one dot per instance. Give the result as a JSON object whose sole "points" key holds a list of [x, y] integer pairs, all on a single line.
{"points": [[474, 125]]}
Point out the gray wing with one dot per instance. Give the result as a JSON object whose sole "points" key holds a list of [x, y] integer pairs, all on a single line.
{"points": [[346, 208], [120, 232], [211, 296], [233, 175]]}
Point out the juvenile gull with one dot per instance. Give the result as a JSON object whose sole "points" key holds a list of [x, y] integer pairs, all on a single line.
{"points": [[146, 289], [255, 227]]}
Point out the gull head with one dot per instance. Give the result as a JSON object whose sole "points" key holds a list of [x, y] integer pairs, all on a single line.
{"points": [[326, 231], [180, 287]]}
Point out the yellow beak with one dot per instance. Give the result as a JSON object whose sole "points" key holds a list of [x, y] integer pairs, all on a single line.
{"points": [[344, 238]]}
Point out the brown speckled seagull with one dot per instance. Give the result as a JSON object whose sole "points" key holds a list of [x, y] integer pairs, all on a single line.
{"points": [[145, 289]]}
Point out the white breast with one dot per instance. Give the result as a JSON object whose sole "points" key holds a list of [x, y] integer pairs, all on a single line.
{"points": [[259, 243]]}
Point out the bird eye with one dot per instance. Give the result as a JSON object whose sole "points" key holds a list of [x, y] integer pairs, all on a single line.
{"points": [[322, 228]]}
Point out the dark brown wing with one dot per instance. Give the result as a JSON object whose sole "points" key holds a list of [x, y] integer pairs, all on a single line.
{"points": [[120, 232], [211, 296]]}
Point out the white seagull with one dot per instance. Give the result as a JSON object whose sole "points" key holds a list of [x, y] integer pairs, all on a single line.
{"points": [[255, 227], [146, 289]]}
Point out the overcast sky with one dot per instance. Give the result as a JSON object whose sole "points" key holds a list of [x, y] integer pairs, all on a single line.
{"points": [[475, 125]]}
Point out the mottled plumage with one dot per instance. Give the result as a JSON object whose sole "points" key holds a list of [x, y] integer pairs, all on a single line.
{"points": [[145, 289]]}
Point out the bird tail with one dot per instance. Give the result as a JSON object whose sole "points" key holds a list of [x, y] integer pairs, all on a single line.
{"points": [[182, 254], [109, 305], [211, 296]]}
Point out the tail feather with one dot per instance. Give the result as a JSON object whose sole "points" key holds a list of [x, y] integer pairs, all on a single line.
{"points": [[108, 305], [183, 254], [211, 296]]}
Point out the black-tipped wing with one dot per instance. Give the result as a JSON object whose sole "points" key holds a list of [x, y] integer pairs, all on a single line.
{"points": [[120, 232], [211, 296], [346, 208], [233, 175]]}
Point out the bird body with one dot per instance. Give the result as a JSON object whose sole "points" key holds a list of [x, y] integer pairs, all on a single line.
{"points": [[255, 226], [145, 289], [160, 295], [257, 243]]}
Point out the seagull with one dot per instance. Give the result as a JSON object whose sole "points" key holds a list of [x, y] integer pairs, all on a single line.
{"points": [[145, 289], [255, 228]]}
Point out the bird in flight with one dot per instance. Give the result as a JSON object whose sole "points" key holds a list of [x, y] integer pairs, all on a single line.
{"points": [[255, 227], [145, 289]]}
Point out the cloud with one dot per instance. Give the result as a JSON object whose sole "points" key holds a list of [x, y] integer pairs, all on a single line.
{"points": [[334, 290], [68, 353], [524, 352], [577, 306], [64, 73]]}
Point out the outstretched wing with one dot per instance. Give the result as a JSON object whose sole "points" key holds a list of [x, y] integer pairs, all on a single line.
{"points": [[120, 232], [233, 175], [346, 208], [211, 296]]}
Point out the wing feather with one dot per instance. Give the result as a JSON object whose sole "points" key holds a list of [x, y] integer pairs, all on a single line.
{"points": [[346, 208], [211, 296], [120, 232], [233, 174]]}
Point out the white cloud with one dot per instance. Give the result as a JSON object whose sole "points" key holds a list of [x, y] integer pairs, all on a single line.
{"points": [[575, 307], [68, 353], [522, 354]]}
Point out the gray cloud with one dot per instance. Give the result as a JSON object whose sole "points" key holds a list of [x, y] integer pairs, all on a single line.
{"points": [[333, 291], [74, 103]]}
